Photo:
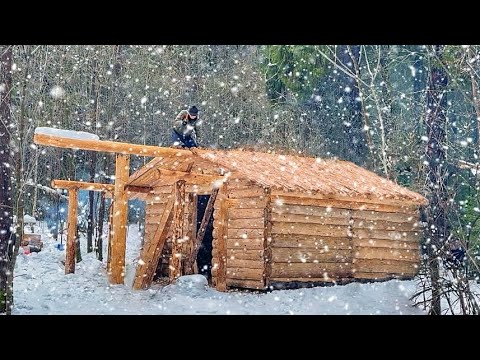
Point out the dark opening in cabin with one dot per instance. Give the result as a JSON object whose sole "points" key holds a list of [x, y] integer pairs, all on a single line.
{"points": [[204, 257]]}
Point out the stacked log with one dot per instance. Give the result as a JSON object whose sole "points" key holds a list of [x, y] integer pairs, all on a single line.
{"points": [[244, 235], [275, 236], [311, 240], [319, 239], [386, 244]]}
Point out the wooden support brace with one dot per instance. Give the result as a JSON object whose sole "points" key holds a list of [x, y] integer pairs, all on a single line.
{"points": [[152, 250]]}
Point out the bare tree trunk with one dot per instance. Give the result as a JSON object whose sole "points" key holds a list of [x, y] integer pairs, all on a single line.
{"points": [[101, 218], [91, 196], [419, 85], [35, 188], [109, 157], [436, 231], [19, 182], [93, 162], [471, 59], [6, 199], [78, 254], [475, 95], [381, 117], [358, 134]]}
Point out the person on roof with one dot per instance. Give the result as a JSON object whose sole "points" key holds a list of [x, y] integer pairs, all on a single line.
{"points": [[185, 128]]}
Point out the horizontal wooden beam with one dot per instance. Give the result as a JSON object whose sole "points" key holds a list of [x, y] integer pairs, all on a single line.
{"points": [[310, 198], [68, 184], [138, 189], [154, 176], [131, 191], [180, 174], [108, 146], [190, 179], [158, 177]]}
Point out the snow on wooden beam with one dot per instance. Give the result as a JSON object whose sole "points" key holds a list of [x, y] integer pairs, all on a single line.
{"points": [[47, 190], [107, 146]]}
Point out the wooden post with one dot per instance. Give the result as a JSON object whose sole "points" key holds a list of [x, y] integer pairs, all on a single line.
{"points": [[72, 231], [178, 212], [116, 267], [194, 267], [221, 283], [190, 231]]}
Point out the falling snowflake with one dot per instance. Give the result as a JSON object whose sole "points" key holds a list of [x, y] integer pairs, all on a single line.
{"points": [[57, 92], [413, 71]]}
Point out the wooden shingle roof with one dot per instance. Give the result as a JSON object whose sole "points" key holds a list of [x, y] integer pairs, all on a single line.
{"points": [[310, 175]]}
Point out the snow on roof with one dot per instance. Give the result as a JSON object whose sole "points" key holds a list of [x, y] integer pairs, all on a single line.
{"points": [[28, 219], [71, 134]]}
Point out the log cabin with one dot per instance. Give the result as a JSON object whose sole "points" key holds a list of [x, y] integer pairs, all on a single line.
{"points": [[253, 220]]}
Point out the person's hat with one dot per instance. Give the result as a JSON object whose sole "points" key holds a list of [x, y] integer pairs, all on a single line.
{"points": [[192, 110]]}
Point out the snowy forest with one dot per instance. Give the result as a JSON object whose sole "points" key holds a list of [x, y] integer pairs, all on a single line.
{"points": [[408, 113]]}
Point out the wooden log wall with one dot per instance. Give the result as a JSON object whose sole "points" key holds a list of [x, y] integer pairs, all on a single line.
{"points": [[385, 245], [311, 241], [321, 240], [299, 238], [245, 235]]}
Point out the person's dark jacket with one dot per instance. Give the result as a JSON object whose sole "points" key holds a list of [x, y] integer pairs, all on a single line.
{"points": [[185, 126]]}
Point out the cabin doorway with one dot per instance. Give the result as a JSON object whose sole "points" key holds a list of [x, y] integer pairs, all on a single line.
{"points": [[204, 256]]}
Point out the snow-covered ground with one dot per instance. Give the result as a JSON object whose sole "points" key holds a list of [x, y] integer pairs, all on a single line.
{"points": [[41, 287]]}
